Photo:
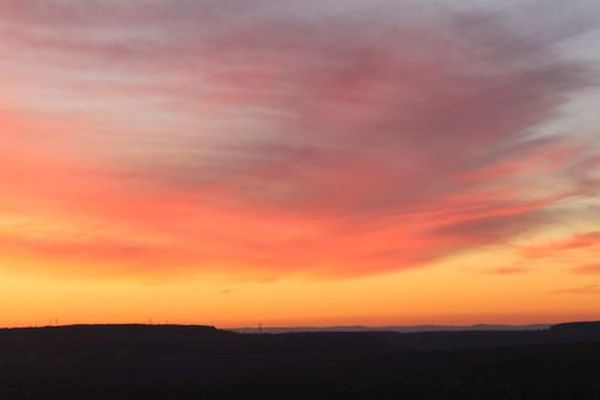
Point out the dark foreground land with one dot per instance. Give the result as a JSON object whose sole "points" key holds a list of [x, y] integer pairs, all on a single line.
{"points": [[180, 362]]}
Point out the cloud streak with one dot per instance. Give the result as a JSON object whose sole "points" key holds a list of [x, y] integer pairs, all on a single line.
{"points": [[580, 290], [588, 269], [580, 241]]}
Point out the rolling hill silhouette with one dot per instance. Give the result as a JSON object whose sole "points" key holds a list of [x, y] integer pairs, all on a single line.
{"points": [[202, 362]]}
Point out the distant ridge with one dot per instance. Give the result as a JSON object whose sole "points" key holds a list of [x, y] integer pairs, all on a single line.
{"points": [[577, 326], [118, 328], [566, 327], [400, 329]]}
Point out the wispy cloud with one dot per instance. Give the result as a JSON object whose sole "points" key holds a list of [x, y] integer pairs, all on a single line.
{"points": [[587, 289], [576, 242], [331, 140], [587, 269], [507, 270]]}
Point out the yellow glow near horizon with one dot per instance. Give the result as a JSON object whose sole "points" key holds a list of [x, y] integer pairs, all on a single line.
{"points": [[457, 291]]}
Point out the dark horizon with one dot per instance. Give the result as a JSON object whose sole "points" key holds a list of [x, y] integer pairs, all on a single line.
{"points": [[144, 362]]}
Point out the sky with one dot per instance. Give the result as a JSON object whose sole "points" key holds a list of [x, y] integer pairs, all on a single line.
{"points": [[299, 162]]}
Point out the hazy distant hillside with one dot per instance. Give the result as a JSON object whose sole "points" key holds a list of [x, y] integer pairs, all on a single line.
{"points": [[416, 328]]}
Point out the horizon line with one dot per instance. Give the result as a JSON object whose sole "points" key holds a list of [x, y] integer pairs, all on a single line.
{"points": [[314, 328]]}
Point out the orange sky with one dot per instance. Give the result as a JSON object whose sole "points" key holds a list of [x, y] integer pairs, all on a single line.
{"points": [[298, 163]]}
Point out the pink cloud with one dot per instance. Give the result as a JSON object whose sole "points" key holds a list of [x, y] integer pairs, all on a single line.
{"points": [[253, 136], [576, 242], [588, 269]]}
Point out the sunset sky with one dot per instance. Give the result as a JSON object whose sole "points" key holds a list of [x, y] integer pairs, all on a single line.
{"points": [[299, 162]]}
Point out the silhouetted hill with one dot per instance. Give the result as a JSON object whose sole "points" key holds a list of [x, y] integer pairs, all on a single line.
{"points": [[118, 362], [584, 327]]}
